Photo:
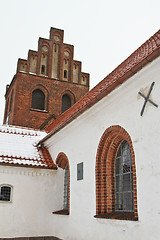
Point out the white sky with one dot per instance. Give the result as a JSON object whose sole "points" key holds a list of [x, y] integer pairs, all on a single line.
{"points": [[104, 33]]}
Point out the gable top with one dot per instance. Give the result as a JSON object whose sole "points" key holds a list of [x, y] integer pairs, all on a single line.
{"points": [[146, 53], [18, 147]]}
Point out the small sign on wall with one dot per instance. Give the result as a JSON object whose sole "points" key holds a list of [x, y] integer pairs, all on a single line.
{"points": [[80, 171]]}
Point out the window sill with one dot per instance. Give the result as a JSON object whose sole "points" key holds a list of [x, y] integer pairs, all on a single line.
{"points": [[38, 110], [2, 201], [118, 215], [61, 212]]}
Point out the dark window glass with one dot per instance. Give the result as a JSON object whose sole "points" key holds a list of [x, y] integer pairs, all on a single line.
{"points": [[124, 178], [5, 193], [66, 102], [43, 69], [65, 73], [38, 99]]}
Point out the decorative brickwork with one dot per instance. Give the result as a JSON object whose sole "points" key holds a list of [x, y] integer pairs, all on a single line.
{"points": [[105, 174], [136, 61], [52, 70]]}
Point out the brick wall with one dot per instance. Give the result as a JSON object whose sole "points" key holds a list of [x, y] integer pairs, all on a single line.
{"points": [[55, 58], [105, 174]]}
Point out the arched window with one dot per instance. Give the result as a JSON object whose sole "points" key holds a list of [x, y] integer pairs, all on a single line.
{"points": [[5, 193], [38, 100], [66, 102], [62, 162], [124, 178], [116, 191]]}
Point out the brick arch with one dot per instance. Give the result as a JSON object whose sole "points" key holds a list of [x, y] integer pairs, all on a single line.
{"points": [[41, 87], [45, 92], [70, 94], [44, 43], [105, 172], [71, 97], [58, 34], [62, 161]]}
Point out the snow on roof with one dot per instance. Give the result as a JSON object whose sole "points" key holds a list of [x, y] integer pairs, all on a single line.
{"points": [[18, 147]]}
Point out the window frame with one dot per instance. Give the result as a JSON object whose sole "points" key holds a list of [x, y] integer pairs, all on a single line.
{"points": [[11, 193], [72, 99], [105, 175], [45, 92], [62, 162]]}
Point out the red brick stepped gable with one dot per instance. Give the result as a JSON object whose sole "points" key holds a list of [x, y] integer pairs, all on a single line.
{"points": [[146, 53], [53, 72]]}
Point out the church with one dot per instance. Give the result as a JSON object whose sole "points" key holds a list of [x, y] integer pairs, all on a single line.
{"points": [[78, 164]]}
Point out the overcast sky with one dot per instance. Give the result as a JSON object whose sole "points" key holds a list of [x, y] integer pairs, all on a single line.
{"points": [[104, 33]]}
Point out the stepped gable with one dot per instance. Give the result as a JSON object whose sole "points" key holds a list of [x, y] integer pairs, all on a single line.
{"points": [[146, 53], [47, 83], [52, 58], [18, 148]]}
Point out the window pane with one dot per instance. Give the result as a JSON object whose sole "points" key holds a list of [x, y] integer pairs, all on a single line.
{"points": [[38, 99], [126, 182], [5, 193], [119, 201], [127, 201], [66, 188], [66, 102], [119, 165], [124, 178]]}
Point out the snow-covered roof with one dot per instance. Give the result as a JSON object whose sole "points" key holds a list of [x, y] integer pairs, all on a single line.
{"points": [[18, 147]]}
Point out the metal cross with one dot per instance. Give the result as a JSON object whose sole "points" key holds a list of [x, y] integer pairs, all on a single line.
{"points": [[147, 98]]}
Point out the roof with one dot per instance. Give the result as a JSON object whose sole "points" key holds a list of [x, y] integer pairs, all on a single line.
{"points": [[18, 147], [146, 53]]}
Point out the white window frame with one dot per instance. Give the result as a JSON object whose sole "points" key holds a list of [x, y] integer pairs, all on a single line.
{"points": [[11, 193]]}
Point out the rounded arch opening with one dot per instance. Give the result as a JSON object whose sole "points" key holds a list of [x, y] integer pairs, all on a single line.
{"points": [[107, 182], [62, 162], [68, 100], [39, 98]]}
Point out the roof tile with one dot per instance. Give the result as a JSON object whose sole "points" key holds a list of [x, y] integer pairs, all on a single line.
{"points": [[18, 147], [138, 59]]}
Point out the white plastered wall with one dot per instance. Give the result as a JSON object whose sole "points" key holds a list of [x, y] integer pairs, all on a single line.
{"points": [[79, 141], [29, 213]]}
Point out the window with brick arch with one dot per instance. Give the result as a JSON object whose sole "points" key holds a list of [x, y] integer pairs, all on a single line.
{"points": [[116, 190], [62, 162], [38, 100], [66, 102]]}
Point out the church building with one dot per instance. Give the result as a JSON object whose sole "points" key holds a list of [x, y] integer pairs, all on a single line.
{"points": [[46, 84], [78, 164]]}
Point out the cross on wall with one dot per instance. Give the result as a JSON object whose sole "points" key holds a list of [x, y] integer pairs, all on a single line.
{"points": [[147, 98]]}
